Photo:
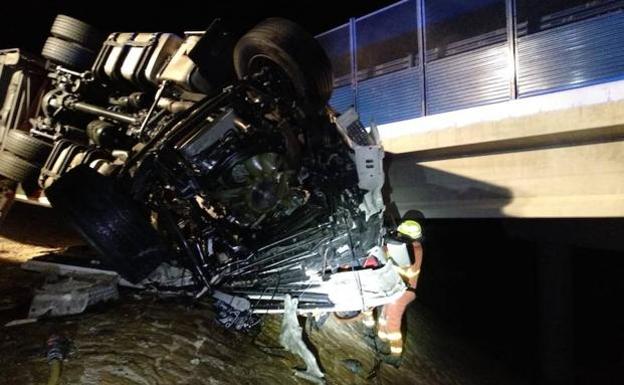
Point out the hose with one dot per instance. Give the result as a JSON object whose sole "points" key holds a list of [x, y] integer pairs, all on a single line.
{"points": [[57, 349], [55, 372]]}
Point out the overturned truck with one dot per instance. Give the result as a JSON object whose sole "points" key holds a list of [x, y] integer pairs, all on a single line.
{"points": [[219, 157]]}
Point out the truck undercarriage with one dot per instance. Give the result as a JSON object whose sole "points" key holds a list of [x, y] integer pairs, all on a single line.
{"points": [[215, 157]]}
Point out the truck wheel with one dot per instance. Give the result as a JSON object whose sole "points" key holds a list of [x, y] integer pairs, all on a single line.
{"points": [[68, 54], [74, 30], [109, 220], [25, 146], [17, 169], [292, 49]]}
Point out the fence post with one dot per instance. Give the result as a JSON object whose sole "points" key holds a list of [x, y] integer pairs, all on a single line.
{"points": [[510, 11], [422, 48], [353, 49]]}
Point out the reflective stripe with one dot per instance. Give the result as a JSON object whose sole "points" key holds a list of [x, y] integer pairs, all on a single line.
{"points": [[407, 273], [368, 319], [392, 336], [396, 349]]}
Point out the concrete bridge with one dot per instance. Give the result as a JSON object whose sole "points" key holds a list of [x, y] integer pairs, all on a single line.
{"points": [[554, 155]]}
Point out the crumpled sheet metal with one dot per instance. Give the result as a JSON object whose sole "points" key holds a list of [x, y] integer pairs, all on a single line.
{"points": [[166, 275], [369, 164], [291, 339], [234, 311], [362, 289], [354, 290], [72, 295]]}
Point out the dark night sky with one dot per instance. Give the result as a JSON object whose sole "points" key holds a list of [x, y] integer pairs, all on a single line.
{"points": [[28, 22]]}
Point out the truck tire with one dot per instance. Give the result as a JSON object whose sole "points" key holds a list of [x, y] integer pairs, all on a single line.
{"points": [[109, 220], [292, 49], [68, 54], [74, 30], [25, 146], [18, 169]]}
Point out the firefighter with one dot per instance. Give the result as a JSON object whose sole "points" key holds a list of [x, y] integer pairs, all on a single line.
{"points": [[405, 252]]}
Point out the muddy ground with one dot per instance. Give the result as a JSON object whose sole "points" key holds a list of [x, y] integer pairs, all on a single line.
{"points": [[143, 339]]}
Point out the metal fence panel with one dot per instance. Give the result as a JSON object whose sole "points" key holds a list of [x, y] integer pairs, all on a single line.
{"points": [[337, 45], [568, 49], [342, 98], [456, 26], [387, 40], [469, 79], [569, 56], [391, 97]]}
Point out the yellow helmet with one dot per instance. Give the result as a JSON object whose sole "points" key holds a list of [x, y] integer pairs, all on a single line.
{"points": [[410, 229]]}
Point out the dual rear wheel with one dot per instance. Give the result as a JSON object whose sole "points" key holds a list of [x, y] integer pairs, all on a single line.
{"points": [[72, 44], [22, 156]]}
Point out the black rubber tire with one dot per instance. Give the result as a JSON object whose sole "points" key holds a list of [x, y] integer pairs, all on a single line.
{"points": [[109, 220], [295, 51], [74, 30], [25, 146], [18, 169], [68, 54]]}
